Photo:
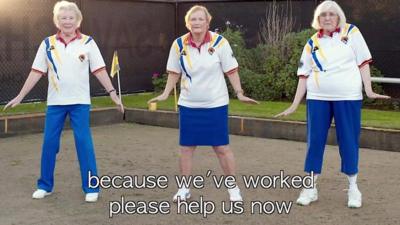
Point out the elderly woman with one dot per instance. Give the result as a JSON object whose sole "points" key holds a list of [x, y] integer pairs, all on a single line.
{"points": [[200, 59], [332, 68], [66, 58]]}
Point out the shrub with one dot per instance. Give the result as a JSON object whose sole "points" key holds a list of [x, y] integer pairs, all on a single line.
{"points": [[159, 81], [255, 85]]}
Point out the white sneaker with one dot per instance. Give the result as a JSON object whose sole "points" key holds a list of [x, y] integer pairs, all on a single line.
{"points": [[40, 193], [234, 194], [183, 194], [355, 200], [91, 197], [307, 196]]}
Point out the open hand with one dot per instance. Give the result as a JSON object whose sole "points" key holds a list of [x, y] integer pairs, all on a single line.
{"points": [[247, 100], [287, 112], [117, 101], [161, 97], [374, 95], [16, 101]]}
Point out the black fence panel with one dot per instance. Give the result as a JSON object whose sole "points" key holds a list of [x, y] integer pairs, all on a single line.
{"points": [[142, 32], [23, 25]]}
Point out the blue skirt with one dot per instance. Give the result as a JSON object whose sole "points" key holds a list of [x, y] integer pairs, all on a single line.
{"points": [[203, 126]]}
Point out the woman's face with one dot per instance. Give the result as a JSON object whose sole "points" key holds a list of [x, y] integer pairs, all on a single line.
{"points": [[198, 22], [328, 20], [67, 21]]}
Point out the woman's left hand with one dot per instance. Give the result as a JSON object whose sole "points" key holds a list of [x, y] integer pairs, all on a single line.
{"points": [[116, 100], [247, 100], [374, 95]]}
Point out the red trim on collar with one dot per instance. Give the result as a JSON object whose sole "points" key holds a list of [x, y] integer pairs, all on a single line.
{"points": [[77, 36], [207, 39], [321, 32]]}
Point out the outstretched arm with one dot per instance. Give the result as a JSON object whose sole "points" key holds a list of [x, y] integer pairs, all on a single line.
{"points": [[105, 81], [31, 81], [366, 77], [173, 78], [235, 82], [300, 92]]}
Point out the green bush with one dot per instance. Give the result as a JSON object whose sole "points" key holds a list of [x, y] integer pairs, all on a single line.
{"points": [[159, 81], [255, 85], [247, 58], [272, 66]]}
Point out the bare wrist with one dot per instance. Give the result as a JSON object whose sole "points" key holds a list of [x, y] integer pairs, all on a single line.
{"points": [[111, 91], [239, 92]]}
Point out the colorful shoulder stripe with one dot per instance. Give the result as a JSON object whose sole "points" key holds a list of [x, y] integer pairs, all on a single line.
{"points": [[86, 39], [55, 51], [49, 49], [183, 53], [349, 29], [313, 47], [217, 41]]}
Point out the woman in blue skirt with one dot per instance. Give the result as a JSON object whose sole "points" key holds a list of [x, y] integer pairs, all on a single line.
{"points": [[200, 59], [332, 68]]}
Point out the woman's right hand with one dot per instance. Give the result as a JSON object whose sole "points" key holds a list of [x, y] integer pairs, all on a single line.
{"points": [[161, 97], [287, 112], [16, 101]]}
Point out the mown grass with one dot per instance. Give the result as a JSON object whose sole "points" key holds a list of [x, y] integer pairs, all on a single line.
{"points": [[266, 109]]}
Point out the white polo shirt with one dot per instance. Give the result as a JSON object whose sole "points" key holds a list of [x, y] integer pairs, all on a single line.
{"points": [[202, 68], [332, 63], [67, 66]]}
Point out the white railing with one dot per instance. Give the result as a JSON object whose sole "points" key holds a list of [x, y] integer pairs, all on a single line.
{"points": [[385, 80]]}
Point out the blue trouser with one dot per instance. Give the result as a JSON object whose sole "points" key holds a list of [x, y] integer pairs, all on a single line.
{"points": [[347, 115], [80, 122]]}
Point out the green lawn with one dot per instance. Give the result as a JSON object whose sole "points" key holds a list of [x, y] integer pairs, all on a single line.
{"points": [[266, 109]]}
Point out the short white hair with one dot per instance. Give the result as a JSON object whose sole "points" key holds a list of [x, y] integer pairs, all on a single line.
{"points": [[196, 8], [66, 5], [326, 6]]}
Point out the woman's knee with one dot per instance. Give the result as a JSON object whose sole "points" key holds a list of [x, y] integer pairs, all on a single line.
{"points": [[222, 150]]}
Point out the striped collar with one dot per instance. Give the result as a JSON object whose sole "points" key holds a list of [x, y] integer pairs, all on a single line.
{"points": [[321, 32], [77, 36], [189, 40]]}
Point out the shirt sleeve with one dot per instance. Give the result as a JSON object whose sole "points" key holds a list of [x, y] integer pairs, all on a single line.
{"points": [[228, 60], [40, 61], [305, 63], [96, 61], [359, 46], [173, 59]]}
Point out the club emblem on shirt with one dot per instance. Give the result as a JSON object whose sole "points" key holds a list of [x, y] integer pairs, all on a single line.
{"points": [[211, 50], [345, 39], [51, 48], [183, 53], [82, 57], [315, 48]]}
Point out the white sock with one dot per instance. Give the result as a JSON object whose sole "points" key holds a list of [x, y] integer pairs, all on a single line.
{"points": [[315, 179], [352, 181]]}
